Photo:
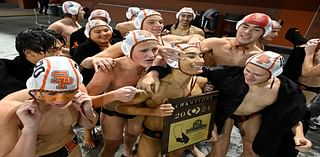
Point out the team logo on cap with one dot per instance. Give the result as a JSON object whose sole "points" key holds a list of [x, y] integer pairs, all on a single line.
{"points": [[259, 20], [263, 59], [268, 60], [61, 78], [55, 73]]}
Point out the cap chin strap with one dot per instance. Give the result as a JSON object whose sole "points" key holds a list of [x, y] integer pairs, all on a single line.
{"points": [[30, 92], [273, 79]]}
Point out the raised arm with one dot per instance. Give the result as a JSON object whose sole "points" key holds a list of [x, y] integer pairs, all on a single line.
{"points": [[137, 106], [208, 44], [124, 27], [162, 110], [181, 39], [113, 51], [123, 94], [13, 115], [309, 68], [83, 103], [100, 82]]}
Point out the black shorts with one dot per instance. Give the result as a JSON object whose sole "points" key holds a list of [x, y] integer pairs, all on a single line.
{"points": [[310, 89], [114, 113], [65, 150], [240, 119], [151, 133]]}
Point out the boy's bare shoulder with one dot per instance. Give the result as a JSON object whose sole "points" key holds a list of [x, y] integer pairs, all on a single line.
{"points": [[8, 110], [20, 96]]}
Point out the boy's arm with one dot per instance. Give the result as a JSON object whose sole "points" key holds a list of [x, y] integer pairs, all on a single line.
{"points": [[11, 144], [151, 81], [302, 144], [113, 51], [309, 69], [161, 111], [134, 107]]}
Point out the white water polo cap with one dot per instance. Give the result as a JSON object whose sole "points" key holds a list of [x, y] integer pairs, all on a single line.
{"points": [[71, 7], [142, 15], [132, 11], [182, 47], [271, 61], [95, 23], [186, 10], [260, 19], [56, 73], [100, 13], [276, 24], [133, 38]]}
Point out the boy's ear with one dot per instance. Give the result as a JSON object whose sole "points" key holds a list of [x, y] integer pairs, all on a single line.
{"points": [[31, 56], [28, 53]]}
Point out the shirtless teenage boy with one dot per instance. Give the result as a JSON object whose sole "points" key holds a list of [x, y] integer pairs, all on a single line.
{"points": [[181, 82], [275, 121], [309, 80], [140, 48], [310, 74], [39, 120], [184, 26], [126, 26], [73, 14], [148, 20], [235, 50], [276, 28]]}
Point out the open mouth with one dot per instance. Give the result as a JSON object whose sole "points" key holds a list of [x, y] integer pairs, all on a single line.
{"points": [[149, 61], [59, 105], [249, 80], [246, 37], [195, 66]]}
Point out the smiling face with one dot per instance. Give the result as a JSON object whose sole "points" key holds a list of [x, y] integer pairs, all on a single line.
{"points": [[101, 35], [249, 33], [254, 74], [57, 99], [274, 33], [144, 53], [153, 24], [191, 61], [185, 19]]}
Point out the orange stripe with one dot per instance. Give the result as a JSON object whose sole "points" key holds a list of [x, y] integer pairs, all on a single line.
{"points": [[70, 145], [144, 13], [135, 39], [43, 84], [272, 65], [75, 72], [145, 16], [178, 45]]}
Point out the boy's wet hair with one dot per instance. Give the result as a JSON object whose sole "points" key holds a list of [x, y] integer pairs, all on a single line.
{"points": [[35, 39], [59, 37]]}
